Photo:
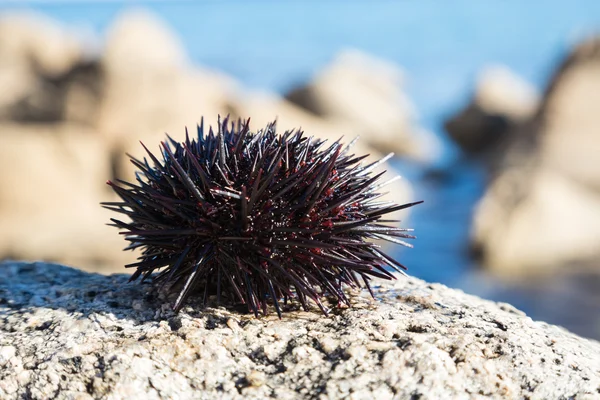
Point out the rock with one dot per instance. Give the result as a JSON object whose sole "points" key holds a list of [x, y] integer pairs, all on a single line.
{"points": [[83, 93], [40, 42], [476, 131], [54, 181], [502, 100], [151, 89], [41, 63], [542, 209], [571, 115], [73, 97], [138, 40], [67, 334], [363, 92], [501, 91]]}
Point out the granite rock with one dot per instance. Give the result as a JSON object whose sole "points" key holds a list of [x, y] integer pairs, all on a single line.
{"points": [[69, 334]]}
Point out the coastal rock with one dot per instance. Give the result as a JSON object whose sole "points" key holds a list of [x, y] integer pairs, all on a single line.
{"points": [[542, 209], [53, 179], [501, 101], [571, 115], [82, 90], [70, 334], [40, 42], [39, 60], [365, 93], [151, 89]]}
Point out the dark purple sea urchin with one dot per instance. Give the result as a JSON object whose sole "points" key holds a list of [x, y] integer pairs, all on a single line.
{"points": [[257, 217]]}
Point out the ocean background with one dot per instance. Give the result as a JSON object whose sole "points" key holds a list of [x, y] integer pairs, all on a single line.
{"points": [[277, 45]]}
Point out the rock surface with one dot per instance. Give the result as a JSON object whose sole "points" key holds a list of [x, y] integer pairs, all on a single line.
{"points": [[542, 209], [68, 334]]}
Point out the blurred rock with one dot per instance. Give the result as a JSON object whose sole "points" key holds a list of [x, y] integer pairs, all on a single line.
{"points": [[35, 40], [43, 65], [502, 100], [571, 115], [501, 91], [542, 210], [138, 39], [74, 97], [83, 93], [52, 184], [151, 89], [364, 92]]}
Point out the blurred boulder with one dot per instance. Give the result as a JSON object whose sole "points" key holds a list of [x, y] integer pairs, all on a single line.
{"points": [[364, 92], [151, 89], [52, 184], [542, 209], [47, 73], [502, 101], [31, 39], [83, 93], [73, 97]]}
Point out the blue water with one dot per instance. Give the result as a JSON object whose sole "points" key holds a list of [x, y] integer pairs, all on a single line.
{"points": [[442, 45]]}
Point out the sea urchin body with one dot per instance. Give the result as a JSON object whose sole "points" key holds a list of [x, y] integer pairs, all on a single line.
{"points": [[257, 217]]}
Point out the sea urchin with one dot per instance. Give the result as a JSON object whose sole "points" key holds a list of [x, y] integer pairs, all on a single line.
{"points": [[257, 217]]}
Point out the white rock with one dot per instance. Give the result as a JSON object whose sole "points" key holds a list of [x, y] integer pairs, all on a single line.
{"points": [[438, 354], [542, 210], [364, 92], [500, 91], [6, 353]]}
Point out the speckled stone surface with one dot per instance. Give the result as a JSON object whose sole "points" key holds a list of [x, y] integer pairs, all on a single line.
{"points": [[68, 334]]}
